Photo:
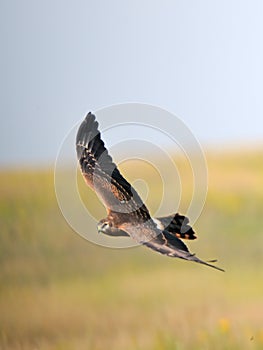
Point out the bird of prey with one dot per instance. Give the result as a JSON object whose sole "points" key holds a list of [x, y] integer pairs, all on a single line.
{"points": [[127, 215]]}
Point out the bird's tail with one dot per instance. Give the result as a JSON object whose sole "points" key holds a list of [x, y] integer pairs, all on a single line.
{"points": [[177, 225]]}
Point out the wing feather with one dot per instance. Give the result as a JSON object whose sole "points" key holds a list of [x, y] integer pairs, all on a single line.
{"points": [[102, 174], [175, 248]]}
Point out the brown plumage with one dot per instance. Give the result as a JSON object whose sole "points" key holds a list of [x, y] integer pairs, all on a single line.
{"points": [[126, 213]]}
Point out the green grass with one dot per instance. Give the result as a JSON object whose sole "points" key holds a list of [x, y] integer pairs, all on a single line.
{"points": [[58, 291]]}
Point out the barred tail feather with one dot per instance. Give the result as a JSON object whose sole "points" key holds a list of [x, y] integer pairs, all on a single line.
{"points": [[178, 225]]}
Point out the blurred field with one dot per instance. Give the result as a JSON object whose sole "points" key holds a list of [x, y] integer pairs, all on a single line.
{"points": [[58, 291]]}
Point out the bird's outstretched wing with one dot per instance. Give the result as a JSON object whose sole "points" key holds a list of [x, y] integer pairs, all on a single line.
{"points": [[175, 248], [164, 243], [101, 174]]}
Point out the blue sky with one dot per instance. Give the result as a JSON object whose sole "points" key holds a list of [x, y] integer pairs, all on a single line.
{"points": [[199, 59]]}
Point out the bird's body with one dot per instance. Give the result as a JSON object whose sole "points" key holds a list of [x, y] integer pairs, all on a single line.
{"points": [[127, 214]]}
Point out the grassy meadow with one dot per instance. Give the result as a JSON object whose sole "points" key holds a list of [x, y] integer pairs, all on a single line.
{"points": [[60, 292]]}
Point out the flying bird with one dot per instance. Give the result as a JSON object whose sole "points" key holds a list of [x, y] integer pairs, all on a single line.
{"points": [[127, 215]]}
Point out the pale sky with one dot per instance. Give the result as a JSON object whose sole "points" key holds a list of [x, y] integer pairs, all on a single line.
{"points": [[199, 59]]}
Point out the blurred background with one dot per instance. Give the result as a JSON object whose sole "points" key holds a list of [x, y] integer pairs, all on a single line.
{"points": [[199, 60]]}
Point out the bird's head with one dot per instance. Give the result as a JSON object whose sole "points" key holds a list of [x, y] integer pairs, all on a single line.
{"points": [[103, 227]]}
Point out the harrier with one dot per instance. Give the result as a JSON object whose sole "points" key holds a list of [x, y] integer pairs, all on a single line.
{"points": [[127, 214]]}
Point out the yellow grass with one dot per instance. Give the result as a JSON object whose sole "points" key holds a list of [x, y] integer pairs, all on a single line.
{"points": [[58, 291]]}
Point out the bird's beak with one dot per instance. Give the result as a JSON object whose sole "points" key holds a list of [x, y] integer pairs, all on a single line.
{"points": [[99, 228]]}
